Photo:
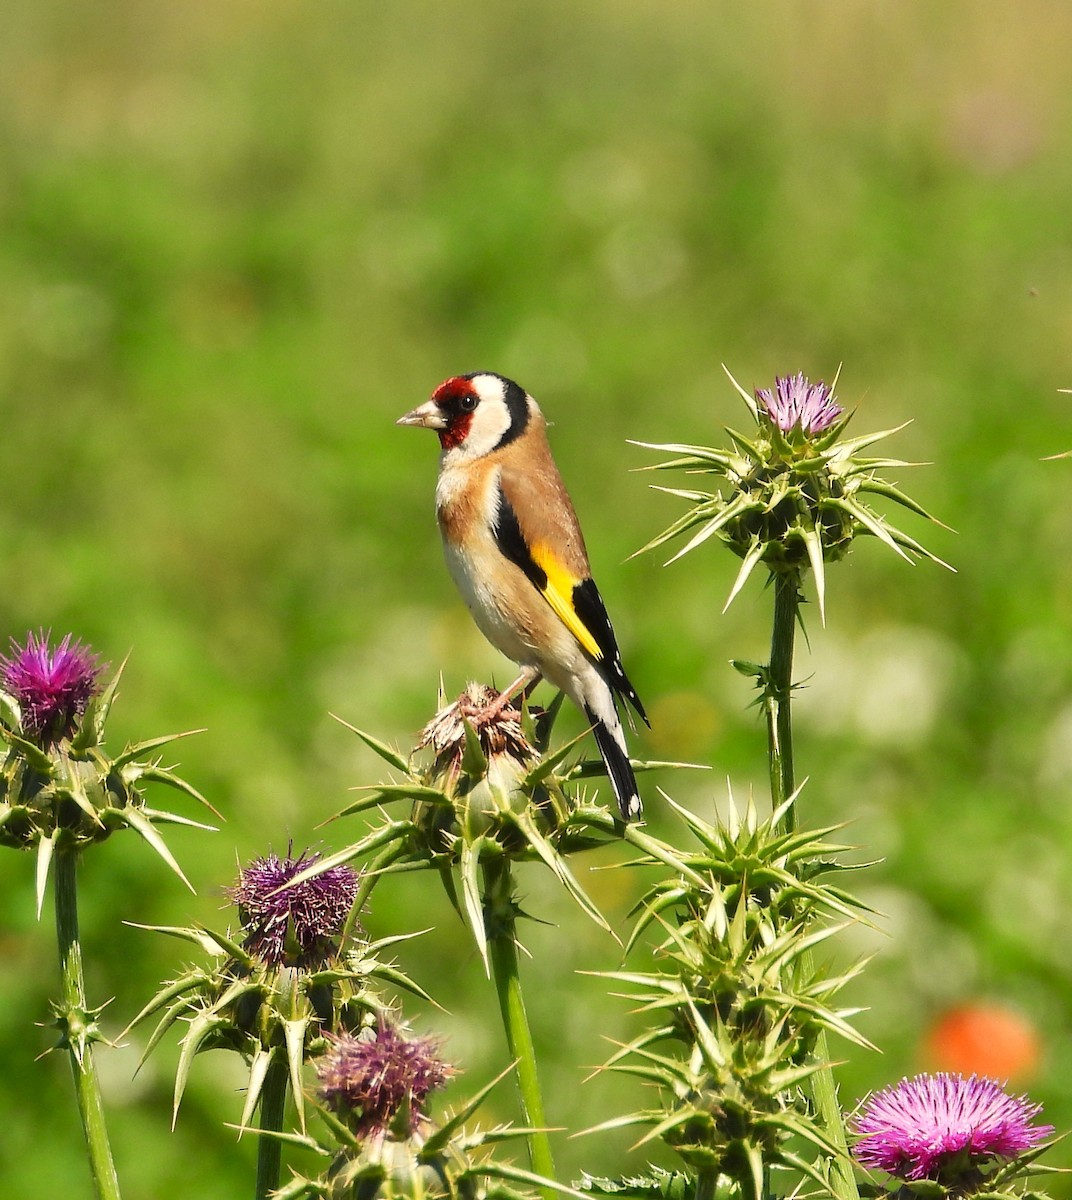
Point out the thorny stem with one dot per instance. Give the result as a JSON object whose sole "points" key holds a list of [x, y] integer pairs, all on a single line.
{"points": [[77, 1024], [500, 921], [778, 694], [778, 697], [270, 1149]]}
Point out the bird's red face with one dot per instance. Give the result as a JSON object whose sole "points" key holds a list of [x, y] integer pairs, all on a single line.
{"points": [[457, 400], [474, 414]]}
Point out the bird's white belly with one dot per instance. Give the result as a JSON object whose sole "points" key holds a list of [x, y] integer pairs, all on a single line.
{"points": [[493, 620]]}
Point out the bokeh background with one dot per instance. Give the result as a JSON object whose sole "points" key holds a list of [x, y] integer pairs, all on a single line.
{"points": [[238, 239]]}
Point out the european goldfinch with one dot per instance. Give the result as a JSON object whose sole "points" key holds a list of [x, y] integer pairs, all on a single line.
{"points": [[515, 551]]}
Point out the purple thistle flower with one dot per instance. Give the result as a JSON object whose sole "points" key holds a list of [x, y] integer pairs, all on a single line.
{"points": [[52, 687], [294, 927], [375, 1076], [796, 403], [932, 1125]]}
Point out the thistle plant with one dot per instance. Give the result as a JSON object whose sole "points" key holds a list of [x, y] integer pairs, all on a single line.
{"points": [[951, 1135], [298, 973], [793, 496], [484, 794], [61, 793], [737, 1007]]}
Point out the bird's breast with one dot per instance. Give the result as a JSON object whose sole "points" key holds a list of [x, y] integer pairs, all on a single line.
{"points": [[467, 503]]}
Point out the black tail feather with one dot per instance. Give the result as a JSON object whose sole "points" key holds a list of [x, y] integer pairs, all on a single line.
{"points": [[619, 769]]}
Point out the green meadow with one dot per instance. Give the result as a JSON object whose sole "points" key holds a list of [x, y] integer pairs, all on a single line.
{"points": [[238, 240]]}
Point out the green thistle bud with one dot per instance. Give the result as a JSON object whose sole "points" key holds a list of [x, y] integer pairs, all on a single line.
{"points": [[792, 495]]}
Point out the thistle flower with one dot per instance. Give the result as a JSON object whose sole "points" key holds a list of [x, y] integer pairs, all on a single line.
{"points": [[791, 496], [52, 686], [301, 975], [380, 1079], [296, 925], [798, 404], [58, 784], [944, 1126]]}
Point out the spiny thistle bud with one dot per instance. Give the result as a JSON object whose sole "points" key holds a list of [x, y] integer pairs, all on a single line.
{"points": [[52, 686], [792, 496], [378, 1080], [947, 1128], [57, 783], [737, 1005], [297, 925]]}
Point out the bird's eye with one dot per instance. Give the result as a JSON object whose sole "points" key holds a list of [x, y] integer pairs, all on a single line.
{"points": [[467, 402]]}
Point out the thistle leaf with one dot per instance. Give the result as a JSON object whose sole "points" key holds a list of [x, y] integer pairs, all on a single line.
{"points": [[154, 773], [389, 792], [178, 987], [751, 561], [211, 943], [141, 825], [523, 821], [294, 1032], [258, 1069], [736, 508], [389, 755], [440, 1137], [147, 747], [200, 1028], [750, 402], [473, 902], [45, 848]]}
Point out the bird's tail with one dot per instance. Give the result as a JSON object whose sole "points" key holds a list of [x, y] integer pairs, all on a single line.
{"points": [[611, 743]]}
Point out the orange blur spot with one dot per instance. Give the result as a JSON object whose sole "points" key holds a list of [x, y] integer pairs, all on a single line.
{"points": [[985, 1039]]}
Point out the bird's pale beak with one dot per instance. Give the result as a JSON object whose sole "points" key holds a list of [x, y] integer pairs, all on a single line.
{"points": [[428, 416]]}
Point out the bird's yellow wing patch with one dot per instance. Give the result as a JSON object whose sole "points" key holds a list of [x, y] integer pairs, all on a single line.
{"points": [[558, 592]]}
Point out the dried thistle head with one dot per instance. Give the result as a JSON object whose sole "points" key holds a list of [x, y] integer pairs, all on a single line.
{"points": [[484, 792], [379, 1080]]}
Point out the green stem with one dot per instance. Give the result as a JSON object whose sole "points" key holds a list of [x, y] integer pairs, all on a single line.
{"points": [[78, 1023], [706, 1183], [778, 695], [273, 1106], [500, 918], [778, 699]]}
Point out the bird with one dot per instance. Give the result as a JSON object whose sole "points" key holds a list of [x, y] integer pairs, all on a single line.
{"points": [[514, 549]]}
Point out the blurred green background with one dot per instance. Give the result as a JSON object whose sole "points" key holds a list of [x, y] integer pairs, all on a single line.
{"points": [[238, 239]]}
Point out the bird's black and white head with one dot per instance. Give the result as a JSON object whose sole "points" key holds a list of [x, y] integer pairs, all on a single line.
{"points": [[475, 414]]}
